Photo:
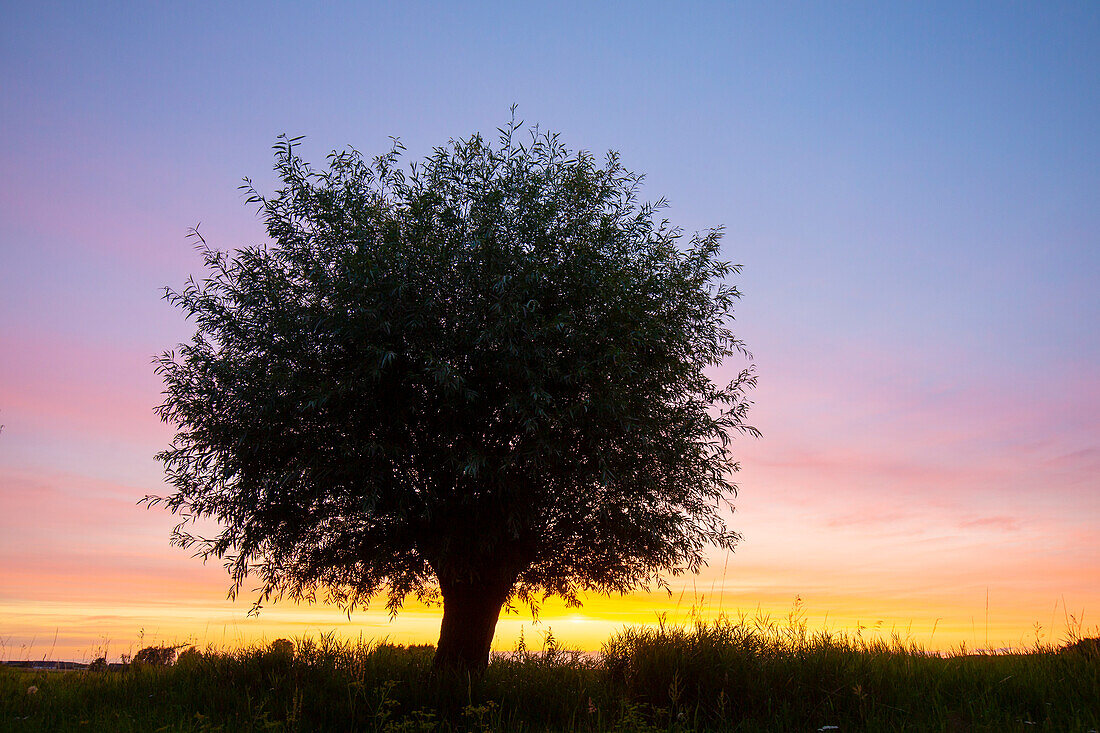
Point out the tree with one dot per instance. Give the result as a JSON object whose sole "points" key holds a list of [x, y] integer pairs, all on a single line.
{"points": [[482, 378]]}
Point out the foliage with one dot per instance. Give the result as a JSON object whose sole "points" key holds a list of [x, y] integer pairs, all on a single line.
{"points": [[491, 368], [156, 655], [1089, 647]]}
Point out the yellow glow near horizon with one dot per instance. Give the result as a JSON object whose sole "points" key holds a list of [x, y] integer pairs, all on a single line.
{"points": [[81, 632]]}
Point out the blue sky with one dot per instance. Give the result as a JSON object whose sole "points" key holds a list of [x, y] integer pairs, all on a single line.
{"points": [[936, 165]]}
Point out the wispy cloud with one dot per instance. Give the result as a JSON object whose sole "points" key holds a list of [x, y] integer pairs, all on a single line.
{"points": [[1002, 523]]}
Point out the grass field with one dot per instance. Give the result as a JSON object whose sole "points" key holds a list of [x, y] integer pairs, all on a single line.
{"points": [[724, 675]]}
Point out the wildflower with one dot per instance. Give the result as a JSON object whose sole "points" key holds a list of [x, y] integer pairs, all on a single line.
{"points": [[591, 707], [32, 689]]}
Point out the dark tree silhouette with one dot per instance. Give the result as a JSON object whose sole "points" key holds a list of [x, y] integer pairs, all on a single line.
{"points": [[481, 377]]}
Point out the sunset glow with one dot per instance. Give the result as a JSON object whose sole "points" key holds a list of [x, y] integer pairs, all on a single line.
{"points": [[913, 196]]}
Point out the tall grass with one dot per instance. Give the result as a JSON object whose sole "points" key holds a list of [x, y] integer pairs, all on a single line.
{"points": [[748, 676], [736, 675]]}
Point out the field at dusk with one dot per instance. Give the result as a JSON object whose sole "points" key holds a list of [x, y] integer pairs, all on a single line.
{"points": [[912, 191]]}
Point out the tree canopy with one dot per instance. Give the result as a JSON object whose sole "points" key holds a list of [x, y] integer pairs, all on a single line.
{"points": [[482, 376]]}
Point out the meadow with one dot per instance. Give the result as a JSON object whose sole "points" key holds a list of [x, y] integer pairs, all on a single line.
{"points": [[728, 675]]}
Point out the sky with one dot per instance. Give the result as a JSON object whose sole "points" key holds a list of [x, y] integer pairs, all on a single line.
{"points": [[912, 190]]}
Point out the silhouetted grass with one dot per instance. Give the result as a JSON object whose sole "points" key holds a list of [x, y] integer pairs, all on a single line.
{"points": [[725, 675]]}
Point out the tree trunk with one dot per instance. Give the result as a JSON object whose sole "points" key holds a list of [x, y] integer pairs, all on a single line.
{"points": [[470, 612]]}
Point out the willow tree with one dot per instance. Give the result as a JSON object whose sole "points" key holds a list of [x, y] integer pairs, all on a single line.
{"points": [[484, 377]]}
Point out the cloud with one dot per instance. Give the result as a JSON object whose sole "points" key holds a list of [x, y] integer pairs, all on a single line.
{"points": [[1086, 459], [1002, 523]]}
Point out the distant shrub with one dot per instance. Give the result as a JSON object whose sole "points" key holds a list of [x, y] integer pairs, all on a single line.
{"points": [[189, 658], [282, 648], [99, 665], [156, 656], [1089, 648]]}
